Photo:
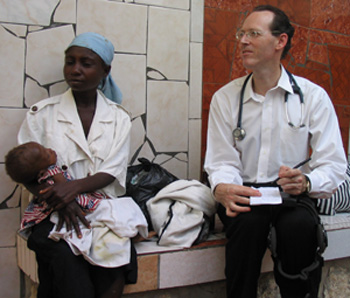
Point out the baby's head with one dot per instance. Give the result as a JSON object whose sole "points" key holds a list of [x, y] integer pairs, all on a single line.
{"points": [[26, 162]]}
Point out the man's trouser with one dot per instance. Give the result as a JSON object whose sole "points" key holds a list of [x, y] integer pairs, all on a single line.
{"points": [[297, 244]]}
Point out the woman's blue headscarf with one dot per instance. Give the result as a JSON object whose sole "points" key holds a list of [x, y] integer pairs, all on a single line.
{"points": [[105, 49]]}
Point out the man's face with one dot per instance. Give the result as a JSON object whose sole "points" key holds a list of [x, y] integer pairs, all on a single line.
{"points": [[257, 44]]}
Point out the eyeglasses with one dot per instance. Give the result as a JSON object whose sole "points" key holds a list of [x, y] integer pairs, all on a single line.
{"points": [[252, 34]]}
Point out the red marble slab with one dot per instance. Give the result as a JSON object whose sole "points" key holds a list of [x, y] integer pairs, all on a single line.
{"points": [[331, 15], [319, 77], [299, 45], [219, 40], [234, 5], [325, 37], [208, 91], [340, 69], [343, 113], [298, 11], [320, 48], [318, 53]]}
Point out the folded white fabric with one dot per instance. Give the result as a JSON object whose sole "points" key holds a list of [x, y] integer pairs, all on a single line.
{"points": [[107, 243], [177, 212]]}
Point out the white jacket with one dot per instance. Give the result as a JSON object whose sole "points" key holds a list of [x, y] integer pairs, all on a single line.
{"points": [[177, 212]]}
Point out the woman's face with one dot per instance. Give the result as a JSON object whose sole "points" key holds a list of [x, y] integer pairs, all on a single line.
{"points": [[83, 69]]}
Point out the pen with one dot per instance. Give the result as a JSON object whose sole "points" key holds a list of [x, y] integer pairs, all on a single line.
{"points": [[302, 163], [295, 167]]}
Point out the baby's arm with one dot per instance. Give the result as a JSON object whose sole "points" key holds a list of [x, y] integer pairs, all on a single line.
{"points": [[59, 178], [36, 188]]}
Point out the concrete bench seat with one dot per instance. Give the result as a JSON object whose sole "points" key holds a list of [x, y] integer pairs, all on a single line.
{"points": [[169, 267]]}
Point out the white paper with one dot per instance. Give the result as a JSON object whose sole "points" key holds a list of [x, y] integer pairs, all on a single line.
{"points": [[269, 196]]}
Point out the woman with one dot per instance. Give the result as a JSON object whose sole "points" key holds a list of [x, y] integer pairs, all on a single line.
{"points": [[90, 135]]}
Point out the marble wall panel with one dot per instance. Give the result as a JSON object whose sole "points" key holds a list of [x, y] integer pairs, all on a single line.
{"points": [[9, 220], [158, 53], [196, 65], [34, 12], [146, 151], [220, 42], [197, 20], [138, 133], [12, 53], [194, 152], [123, 24], [129, 72], [318, 53], [46, 47], [168, 42], [338, 57], [18, 30], [331, 15], [176, 165], [319, 48], [33, 92], [10, 121], [167, 115], [66, 12], [58, 88], [182, 4], [9, 272], [9, 192]]}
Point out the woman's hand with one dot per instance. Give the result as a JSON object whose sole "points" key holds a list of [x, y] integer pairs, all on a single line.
{"points": [[70, 215], [235, 198], [59, 195]]}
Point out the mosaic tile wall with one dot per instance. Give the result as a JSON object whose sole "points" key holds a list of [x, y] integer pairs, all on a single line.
{"points": [[320, 50], [157, 64]]}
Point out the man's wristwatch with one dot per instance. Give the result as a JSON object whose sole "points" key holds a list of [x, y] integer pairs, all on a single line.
{"points": [[308, 184]]}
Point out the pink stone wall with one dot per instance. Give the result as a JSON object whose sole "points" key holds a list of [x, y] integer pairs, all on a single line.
{"points": [[320, 49]]}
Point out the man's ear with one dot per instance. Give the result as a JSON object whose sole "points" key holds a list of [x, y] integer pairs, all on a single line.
{"points": [[282, 41]]}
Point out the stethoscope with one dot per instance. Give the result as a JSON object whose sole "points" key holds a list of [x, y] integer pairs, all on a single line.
{"points": [[239, 132]]}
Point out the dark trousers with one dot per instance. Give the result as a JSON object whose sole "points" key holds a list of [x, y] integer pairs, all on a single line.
{"points": [[63, 274], [247, 236]]}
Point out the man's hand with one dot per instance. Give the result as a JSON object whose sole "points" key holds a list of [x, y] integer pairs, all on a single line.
{"points": [[235, 198], [292, 181], [70, 215]]}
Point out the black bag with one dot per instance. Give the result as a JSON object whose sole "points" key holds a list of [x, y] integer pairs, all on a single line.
{"points": [[144, 181]]}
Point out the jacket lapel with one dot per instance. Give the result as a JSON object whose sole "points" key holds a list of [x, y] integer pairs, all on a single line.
{"points": [[103, 119], [70, 122]]}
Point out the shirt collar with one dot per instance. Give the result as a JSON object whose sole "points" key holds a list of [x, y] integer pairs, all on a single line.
{"points": [[283, 83]]}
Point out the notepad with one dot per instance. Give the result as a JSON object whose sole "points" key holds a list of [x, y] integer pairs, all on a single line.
{"points": [[270, 196]]}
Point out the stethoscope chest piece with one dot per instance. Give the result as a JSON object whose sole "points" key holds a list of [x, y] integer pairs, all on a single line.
{"points": [[238, 133]]}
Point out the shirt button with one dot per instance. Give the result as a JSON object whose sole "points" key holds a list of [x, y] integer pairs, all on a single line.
{"points": [[34, 108], [64, 168]]}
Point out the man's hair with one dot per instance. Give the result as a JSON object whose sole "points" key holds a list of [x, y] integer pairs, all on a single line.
{"points": [[280, 24], [18, 163]]}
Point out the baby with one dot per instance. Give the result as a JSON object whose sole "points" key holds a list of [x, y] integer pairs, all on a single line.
{"points": [[33, 163]]}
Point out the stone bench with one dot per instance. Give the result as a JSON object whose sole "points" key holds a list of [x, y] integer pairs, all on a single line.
{"points": [[168, 267]]}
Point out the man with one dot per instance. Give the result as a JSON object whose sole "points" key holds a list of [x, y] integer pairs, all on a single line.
{"points": [[257, 137]]}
